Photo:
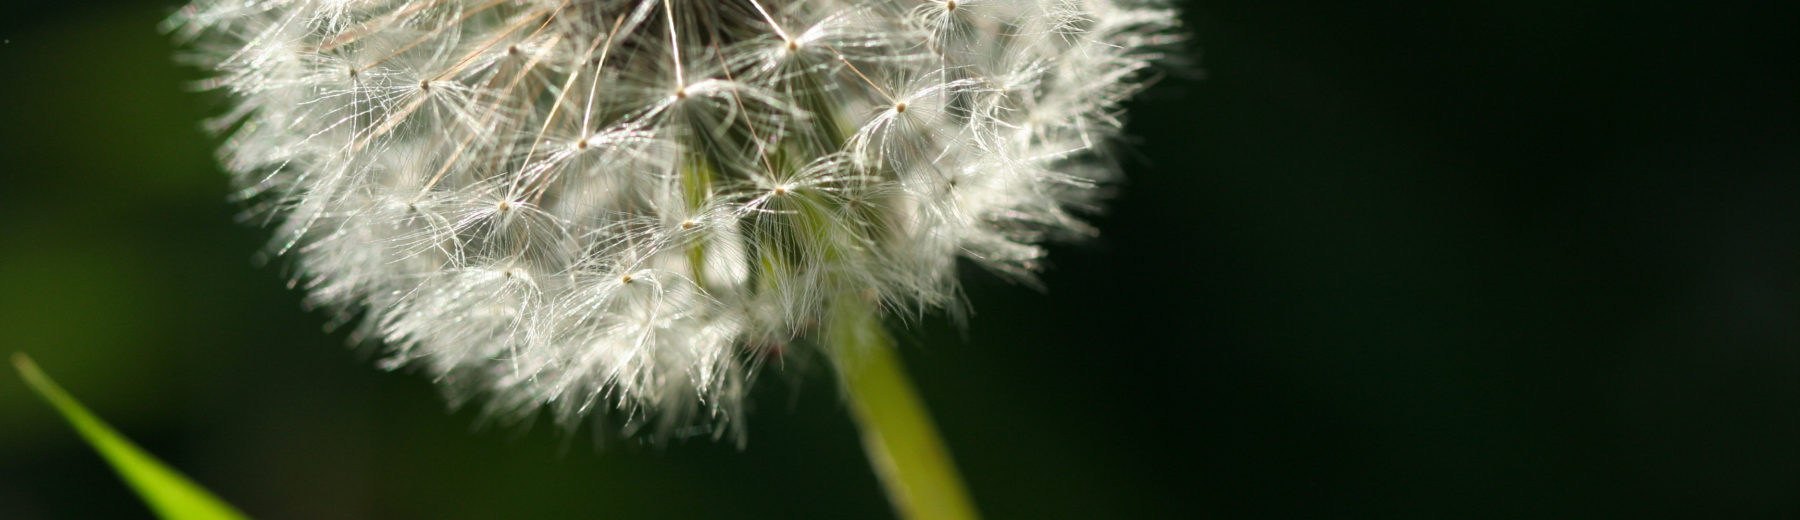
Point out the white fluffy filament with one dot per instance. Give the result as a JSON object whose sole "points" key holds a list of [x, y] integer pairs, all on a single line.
{"points": [[632, 203]]}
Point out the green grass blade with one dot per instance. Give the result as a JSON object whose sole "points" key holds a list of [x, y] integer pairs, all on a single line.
{"points": [[168, 493]]}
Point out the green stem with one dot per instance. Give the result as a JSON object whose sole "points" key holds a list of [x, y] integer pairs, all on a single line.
{"points": [[901, 441]]}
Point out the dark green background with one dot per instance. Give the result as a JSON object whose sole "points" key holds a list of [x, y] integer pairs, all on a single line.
{"points": [[1481, 259]]}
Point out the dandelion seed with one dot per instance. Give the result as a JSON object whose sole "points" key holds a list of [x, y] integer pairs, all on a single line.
{"points": [[557, 205]]}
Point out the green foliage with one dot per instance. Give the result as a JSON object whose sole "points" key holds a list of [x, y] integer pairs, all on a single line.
{"points": [[166, 491]]}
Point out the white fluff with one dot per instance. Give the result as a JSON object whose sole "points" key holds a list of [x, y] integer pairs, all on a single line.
{"points": [[632, 203]]}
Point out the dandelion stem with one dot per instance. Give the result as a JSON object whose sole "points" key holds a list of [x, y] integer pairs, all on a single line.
{"points": [[897, 431]]}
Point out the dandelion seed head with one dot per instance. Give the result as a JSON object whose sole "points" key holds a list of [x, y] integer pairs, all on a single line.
{"points": [[575, 205]]}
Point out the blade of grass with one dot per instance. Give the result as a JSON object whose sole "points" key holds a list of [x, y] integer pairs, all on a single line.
{"points": [[165, 490]]}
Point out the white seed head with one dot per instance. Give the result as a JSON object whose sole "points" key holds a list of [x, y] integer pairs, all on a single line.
{"points": [[632, 203]]}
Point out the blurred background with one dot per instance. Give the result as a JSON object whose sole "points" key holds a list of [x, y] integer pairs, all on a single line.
{"points": [[1377, 259]]}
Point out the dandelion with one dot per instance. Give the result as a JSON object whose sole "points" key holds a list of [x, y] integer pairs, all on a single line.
{"points": [[577, 205]]}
